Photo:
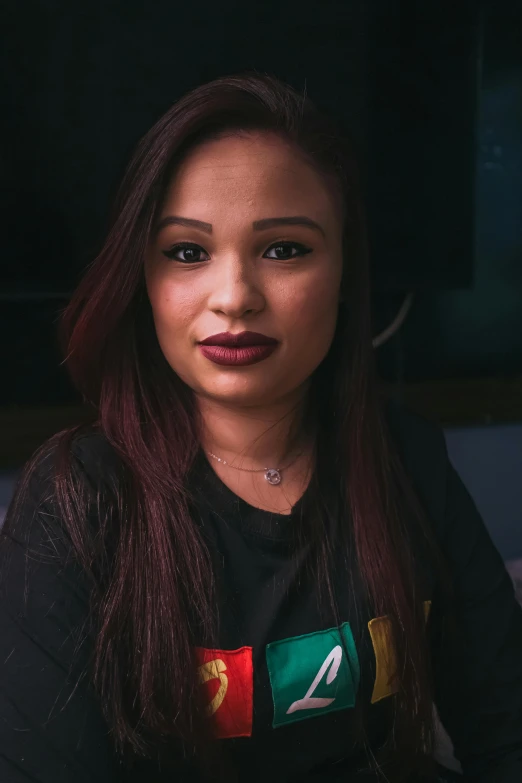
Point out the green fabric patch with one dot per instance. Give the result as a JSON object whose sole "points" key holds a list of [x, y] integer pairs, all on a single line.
{"points": [[313, 674]]}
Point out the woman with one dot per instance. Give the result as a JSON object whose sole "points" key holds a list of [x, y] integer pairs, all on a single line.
{"points": [[250, 566]]}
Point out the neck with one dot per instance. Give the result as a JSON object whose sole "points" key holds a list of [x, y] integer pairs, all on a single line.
{"points": [[260, 436]]}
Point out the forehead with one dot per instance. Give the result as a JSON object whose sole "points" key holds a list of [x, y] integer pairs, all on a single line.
{"points": [[252, 172]]}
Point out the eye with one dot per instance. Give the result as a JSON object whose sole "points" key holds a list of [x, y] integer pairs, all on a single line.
{"points": [[284, 246], [184, 247]]}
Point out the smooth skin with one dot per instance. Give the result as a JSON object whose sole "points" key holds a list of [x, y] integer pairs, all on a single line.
{"points": [[235, 278]]}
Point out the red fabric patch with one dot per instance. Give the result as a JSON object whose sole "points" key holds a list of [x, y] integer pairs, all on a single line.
{"points": [[227, 676]]}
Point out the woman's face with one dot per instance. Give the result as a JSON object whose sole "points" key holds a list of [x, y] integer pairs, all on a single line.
{"points": [[240, 273]]}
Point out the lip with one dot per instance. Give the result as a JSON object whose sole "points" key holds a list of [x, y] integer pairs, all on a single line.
{"points": [[237, 356], [239, 340]]}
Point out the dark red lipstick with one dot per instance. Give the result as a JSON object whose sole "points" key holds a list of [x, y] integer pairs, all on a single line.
{"points": [[240, 349]]}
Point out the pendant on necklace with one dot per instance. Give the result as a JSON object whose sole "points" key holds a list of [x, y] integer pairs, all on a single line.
{"points": [[273, 476]]}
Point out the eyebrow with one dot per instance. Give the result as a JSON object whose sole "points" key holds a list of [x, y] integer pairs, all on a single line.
{"points": [[257, 225]]}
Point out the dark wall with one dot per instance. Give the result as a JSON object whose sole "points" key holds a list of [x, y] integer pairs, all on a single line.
{"points": [[430, 92], [478, 331]]}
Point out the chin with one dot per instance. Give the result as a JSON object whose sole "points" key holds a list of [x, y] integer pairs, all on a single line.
{"points": [[240, 394]]}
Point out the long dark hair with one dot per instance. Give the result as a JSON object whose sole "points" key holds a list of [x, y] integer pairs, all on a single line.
{"points": [[157, 573]]}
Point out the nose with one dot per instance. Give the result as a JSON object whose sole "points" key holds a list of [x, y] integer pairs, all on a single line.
{"points": [[235, 289]]}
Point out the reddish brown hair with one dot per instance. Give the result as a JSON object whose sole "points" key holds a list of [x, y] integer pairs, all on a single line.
{"points": [[158, 573]]}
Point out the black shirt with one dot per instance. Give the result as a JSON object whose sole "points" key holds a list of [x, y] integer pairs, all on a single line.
{"points": [[283, 681]]}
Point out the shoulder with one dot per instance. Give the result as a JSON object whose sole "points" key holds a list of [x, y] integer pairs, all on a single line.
{"points": [[95, 457], [421, 446], [88, 450], [91, 466], [414, 434]]}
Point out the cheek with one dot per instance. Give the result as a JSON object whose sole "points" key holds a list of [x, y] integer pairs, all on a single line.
{"points": [[172, 305], [312, 308], [173, 310]]}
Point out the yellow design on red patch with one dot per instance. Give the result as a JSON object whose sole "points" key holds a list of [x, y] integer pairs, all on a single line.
{"points": [[227, 677]]}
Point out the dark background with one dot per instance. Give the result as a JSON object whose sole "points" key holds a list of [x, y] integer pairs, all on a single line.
{"points": [[429, 90]]}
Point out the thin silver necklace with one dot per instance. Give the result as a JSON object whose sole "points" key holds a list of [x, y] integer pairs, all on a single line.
{"points": [[272, 475]]}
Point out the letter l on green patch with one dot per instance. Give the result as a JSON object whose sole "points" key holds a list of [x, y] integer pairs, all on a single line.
{"points": [[313, 674]]}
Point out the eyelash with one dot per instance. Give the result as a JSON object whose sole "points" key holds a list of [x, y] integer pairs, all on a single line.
{"points": [[191, 245]]}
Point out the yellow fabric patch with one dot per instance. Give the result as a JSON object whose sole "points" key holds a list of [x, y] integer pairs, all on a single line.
{"points": [[385, 658]]}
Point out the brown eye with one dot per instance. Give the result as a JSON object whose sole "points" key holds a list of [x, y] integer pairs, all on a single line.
{"points": [[285, 248], [189, 250]]}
